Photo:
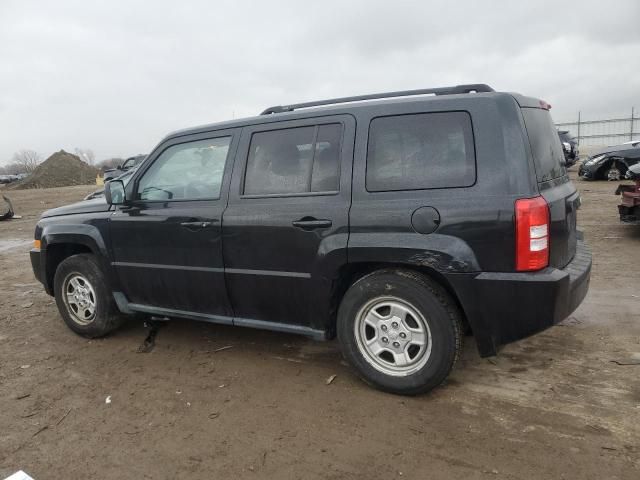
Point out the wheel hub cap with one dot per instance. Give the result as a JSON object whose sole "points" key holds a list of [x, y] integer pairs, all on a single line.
{"points": [[79, 298], [393, 336]]}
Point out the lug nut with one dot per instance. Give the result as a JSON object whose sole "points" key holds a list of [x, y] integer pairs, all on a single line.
{"points": [[394, 324], [385, 340], [403, 335], [384, 328], [396, 344]]}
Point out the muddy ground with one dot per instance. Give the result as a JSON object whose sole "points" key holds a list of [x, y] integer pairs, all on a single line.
{"points": [[553, 406]]}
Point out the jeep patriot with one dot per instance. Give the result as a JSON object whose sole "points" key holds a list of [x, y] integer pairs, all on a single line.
{"points": [[396, 222]]}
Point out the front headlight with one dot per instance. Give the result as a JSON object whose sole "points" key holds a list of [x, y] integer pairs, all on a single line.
{"points": [[593, 161]]}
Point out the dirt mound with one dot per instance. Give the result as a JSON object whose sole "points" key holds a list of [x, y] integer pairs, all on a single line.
{"points": [[61, 169]]}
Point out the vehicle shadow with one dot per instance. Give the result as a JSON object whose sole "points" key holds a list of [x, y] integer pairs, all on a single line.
{"points": [[207, 338]]}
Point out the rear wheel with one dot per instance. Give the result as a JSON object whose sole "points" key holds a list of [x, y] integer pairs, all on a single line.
{"points": [[400, 330], [83, 299]]}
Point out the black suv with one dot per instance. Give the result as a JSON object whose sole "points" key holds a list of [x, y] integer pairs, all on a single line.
{"points": [[394, 221]]}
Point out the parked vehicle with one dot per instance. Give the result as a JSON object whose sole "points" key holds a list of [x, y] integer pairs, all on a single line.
{"points": [[4, 179], [393, 221], [125, 177], [611, 163], [629, 208], [128, 164], [569, 147]]}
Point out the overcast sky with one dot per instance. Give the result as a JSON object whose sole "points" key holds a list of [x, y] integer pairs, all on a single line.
{"points": [[116, 76]]}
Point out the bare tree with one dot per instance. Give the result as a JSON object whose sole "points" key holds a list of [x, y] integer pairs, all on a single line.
{"points": [[86, 155], [13, 169], [26, 160]]}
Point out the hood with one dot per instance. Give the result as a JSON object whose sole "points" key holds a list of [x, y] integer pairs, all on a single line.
{"points": [[619, 151], [85, 206]]}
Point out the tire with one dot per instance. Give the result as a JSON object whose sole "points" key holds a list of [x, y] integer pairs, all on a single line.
{"points": [[613, 174], [82, 278], [419, 304]]}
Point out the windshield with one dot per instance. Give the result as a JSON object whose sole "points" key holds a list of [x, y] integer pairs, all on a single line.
{"points": [[133, 161], [545, 144]]}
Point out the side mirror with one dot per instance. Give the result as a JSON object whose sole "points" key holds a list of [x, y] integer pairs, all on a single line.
{"points": [[114, 192]]}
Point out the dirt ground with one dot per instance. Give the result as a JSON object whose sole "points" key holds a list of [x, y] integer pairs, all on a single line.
{"points": [[550, 407]]}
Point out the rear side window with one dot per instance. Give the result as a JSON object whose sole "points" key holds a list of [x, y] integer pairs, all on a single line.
{"points": [[294, 160], [545, 144], [427, 150]]}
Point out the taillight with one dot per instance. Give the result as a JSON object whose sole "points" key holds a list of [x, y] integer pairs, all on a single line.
{"points": [[532, 234]]}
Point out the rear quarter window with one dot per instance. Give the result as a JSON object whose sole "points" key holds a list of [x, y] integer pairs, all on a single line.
{"points": [[545, 144], [420, 151]]}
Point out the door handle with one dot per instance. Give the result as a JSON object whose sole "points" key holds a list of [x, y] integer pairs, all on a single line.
{"points": [[198, 225], [310, 223]]}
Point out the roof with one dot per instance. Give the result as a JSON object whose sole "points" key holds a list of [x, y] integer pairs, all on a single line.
{"points": [[346, 105]]}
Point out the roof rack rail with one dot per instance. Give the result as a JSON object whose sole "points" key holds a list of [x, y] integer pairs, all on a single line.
{"points": [[474, 87]]}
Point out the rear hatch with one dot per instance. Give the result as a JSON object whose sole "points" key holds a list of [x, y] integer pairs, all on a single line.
{"points": [[554, 184]]}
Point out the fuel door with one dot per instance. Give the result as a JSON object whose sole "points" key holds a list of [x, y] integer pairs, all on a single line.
{"points": [[425, 220]]}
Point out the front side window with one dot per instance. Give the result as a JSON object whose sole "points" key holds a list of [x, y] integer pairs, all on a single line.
{"points": [[294, 160], [188, 171], [420, 151]]}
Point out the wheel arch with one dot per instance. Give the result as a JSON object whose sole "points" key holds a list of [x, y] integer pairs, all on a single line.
{"points": [[58, 244], [608, 163], [352, 272]]}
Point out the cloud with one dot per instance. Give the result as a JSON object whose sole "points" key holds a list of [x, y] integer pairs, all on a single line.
{"points": [[117, 76]]}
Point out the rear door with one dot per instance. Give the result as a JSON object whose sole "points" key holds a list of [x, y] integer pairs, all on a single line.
{"points": [[167, 245], [554, 184], [286, 225]]}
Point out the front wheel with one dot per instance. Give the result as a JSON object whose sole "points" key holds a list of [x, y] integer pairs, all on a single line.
{"points": [[613, 174], [82, 297], [400, 330]]}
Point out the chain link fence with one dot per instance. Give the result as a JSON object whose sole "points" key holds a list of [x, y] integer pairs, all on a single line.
{"points": [[603, 132]]}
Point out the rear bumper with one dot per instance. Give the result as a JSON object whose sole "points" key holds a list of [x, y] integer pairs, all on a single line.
{"points": [[505, 307]]}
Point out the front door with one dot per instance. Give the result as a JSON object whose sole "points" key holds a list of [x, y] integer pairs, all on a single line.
{"points": [[286, 226], [167, 243]]}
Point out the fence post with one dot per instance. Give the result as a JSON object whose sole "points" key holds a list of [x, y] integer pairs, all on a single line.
{"points": [[631, 129], [578, 127]]}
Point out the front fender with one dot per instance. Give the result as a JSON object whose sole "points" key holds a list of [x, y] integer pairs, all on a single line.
{"points": [[80, 234], [69, 237]]}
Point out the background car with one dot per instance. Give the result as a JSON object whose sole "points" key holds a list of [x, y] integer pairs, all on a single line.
{"points": [[128, 164], [4, 179], [610, 163], [125, 177], [629, 208], [569, 147]]}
